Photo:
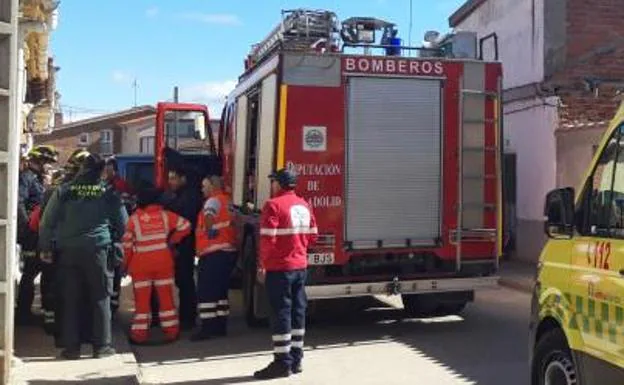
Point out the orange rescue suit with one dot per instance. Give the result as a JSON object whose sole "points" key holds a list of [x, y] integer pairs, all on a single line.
{"points": [[147, 242]]}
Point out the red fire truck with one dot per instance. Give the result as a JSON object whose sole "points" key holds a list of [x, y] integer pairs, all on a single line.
{"points": [[399, 156]]}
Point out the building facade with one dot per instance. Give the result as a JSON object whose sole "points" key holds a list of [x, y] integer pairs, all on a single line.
{"points": [[102, 134], [562, 70], [36, 68], [125, 132]]}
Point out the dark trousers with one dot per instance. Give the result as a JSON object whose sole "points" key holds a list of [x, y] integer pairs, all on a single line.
{"points": [[185, 281], [26, 290], [48, 297], [86, 271], [116, 290], [212, 291], [288, 301]]}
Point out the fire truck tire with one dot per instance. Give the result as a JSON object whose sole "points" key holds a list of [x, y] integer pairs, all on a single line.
{"points": [[250, 287], [451, 308], [420, 305], [432, 305]]}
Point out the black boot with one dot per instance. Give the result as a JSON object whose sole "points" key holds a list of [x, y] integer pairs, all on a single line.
{"points": [[103, 352], [297, 368], [71, 354], [275, 369], [201, 335]]}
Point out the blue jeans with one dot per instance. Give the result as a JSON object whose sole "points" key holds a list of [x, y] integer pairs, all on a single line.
{"points": [[288, 301]]}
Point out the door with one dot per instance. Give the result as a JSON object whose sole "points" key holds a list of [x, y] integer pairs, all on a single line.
{"points": [[394, 173], [598, 257]]}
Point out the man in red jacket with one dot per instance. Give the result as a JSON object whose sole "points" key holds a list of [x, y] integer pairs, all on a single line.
{"points": [[288, 227]]}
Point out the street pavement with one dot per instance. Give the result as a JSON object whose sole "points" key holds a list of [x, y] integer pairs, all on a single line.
{"points": [[370, 342], [367, 341]]}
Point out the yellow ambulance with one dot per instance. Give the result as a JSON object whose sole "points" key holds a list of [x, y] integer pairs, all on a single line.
{"points": [[577, 320]]}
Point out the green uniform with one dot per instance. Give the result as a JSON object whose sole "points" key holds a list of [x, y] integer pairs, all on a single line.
{"points": [[84, 220]]}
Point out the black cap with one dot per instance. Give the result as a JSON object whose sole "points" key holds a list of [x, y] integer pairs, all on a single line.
{"points": [[285, 177]]}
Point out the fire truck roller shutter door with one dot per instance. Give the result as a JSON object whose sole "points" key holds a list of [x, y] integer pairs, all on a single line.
{"points": [[393, 161]]}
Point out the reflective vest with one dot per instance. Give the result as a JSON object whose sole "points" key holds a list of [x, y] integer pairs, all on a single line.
{"points": [[224, 235], [148, 236]]}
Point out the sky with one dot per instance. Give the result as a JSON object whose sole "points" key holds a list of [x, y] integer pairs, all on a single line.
{"points": [[102, 47]]}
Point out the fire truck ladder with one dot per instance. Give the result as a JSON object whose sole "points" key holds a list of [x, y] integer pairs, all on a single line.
{"points": [[298, 30], [473, 153]]}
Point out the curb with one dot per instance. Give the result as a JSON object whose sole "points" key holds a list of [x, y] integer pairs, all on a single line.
{"points": [[517, 284], [126, 353]]}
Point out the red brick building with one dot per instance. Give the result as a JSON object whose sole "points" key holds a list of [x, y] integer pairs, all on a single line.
{"points": [[102, 134]]}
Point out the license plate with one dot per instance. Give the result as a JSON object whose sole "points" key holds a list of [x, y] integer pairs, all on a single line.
{"points": [[321, 258]]}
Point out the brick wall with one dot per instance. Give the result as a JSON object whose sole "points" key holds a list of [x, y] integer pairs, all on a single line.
{"points": [[69, 143], [594, 49]]}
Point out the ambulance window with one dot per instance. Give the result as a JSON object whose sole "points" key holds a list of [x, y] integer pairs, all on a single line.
{"points": [[606, 202]]}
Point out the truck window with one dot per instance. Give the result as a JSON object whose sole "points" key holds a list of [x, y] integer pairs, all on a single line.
{"points": [[605, 198], [252, 148]]}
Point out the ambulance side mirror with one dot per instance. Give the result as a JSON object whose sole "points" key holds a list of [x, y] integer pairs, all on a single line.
{"points": [[559, 213]]}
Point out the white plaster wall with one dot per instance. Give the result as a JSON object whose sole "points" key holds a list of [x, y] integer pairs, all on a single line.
{"points": [[131, 137], [519, 25], [530, 133]]}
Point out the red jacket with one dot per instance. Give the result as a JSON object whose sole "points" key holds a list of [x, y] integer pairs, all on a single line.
{"points": [[35, 219], [120, 185], [287, 229]]}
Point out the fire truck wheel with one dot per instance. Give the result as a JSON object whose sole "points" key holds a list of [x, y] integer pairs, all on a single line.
{"points": [[420, 305], [553, 362], [450, 308], [250, 289]]}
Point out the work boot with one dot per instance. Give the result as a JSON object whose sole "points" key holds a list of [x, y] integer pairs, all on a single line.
{"points": [[296, 368], [187, 325], [70, 354], [103, 352], [275, 369], [201, 335]]}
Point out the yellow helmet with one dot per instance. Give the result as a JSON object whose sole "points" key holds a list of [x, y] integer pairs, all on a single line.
{"points": [[77, 157], [43, 153]]}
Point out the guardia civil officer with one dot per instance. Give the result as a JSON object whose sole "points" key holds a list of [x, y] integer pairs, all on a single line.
{"points": [[86, 219], [288, 227]]}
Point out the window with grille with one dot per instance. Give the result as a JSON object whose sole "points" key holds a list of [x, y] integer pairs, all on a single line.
{"points": [[83, 139], [146, 145], [106, 142]]}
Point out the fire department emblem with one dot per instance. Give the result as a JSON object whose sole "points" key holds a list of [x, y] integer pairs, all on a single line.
{"points": [[314, 138]]}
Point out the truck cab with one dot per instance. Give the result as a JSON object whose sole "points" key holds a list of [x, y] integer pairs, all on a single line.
{"points": [[577, 311], [182, 136]]}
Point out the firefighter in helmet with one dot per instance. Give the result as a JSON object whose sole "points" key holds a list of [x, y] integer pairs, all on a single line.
{"points": [[75, 161], [31, 194]]}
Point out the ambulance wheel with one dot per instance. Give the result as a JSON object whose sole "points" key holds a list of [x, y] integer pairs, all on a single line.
{"points": [[250, 288], [553, 363]]}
